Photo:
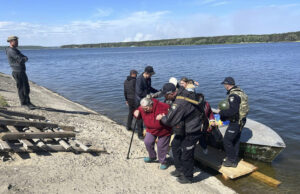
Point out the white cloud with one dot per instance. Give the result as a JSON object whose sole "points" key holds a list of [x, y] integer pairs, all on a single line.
{"points": [[267, 19], [4, 24], [285, 5], [204, 2], [219, 3], [143, 25], [212, 3], [103, 13], [139, 37]]}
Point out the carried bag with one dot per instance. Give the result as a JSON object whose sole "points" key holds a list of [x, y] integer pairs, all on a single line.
{"points": [[217, 135]]}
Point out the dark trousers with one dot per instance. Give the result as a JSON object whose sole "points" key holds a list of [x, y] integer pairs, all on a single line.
{"points": [[231, 140], [140, 127], [139, 123], [183, 153], [22, 86], [202, 141], [131, 107]]}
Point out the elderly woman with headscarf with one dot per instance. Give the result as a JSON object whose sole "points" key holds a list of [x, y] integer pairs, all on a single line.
{"points": [[148, 111]]}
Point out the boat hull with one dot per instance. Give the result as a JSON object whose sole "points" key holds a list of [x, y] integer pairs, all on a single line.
{"points": [[258, 141], [259, 152]]}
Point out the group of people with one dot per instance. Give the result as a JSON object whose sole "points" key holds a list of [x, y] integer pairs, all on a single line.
{"points": [[184, 113]]}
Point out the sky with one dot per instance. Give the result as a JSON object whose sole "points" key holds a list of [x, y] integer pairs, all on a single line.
{"points": [[61, 22]]}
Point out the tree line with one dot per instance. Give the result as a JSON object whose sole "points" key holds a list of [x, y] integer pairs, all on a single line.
{"points": [[231, 39], [27, 47]]}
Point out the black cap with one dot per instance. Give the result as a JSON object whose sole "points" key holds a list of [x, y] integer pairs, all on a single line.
{"points": [[133, 71], [168, 88], [149, 69], [229, 81]]}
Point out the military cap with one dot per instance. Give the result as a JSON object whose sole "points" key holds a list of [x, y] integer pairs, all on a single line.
{"points": [[229, 81], [168, 88]]}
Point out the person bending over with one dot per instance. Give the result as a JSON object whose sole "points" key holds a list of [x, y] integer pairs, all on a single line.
{"points": [[148, 111]]}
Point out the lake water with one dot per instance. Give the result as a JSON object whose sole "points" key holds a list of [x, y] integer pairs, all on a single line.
{"points": [[269, 73]]}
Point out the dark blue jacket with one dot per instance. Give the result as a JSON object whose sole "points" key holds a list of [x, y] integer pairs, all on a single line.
{"points": [[184, 113], [142, 88], [129, 88]]}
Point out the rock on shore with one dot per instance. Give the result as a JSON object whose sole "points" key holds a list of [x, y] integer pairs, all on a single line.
{"points": [[84, 173]]}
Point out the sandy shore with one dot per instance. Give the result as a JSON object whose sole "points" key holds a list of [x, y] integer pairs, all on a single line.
{"points": [[84, 173]]}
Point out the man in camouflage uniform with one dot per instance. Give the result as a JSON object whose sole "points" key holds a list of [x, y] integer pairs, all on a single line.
{"points": [[236, 114]]}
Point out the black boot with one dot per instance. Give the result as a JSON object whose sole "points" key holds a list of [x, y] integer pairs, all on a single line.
{"points": [[183, 180], [31, 106], [140, 136], [176, 173], [228, 163]]}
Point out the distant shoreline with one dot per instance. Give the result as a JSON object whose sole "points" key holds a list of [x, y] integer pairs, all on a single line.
{"points": [[45, 48], [31, 47], [212, 40]]}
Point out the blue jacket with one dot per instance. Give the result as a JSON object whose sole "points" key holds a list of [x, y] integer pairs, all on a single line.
{"points": [[142, 88]]}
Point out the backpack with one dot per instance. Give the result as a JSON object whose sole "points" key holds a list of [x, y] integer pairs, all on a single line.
{"points": [[244, 106]]}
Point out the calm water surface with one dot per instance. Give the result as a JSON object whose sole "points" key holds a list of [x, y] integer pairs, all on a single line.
{"points": [[269, 73]]}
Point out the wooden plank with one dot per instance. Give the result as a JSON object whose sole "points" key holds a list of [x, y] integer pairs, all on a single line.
{"points": [[59, 148], [266, 179], [24, 123], [38, 142], [74, 142], [2, 115], [62, 142], [81, 145], [35, 135], [21, 114], [242, 169], [67, 128], [4, 145], [214, 159], [27, 144], [226, 178], [51, 148]]}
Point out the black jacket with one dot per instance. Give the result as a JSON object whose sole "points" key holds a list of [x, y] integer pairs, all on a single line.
{"points": [[183, 111], [232, 113], [16, 59], [142, 88], [129, 88]]}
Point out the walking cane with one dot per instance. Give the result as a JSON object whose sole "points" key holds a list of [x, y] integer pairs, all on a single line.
{"points": [[131, 139]]}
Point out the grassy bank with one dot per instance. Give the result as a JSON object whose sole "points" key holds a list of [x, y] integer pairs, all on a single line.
{"points": [[3, 102]]}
